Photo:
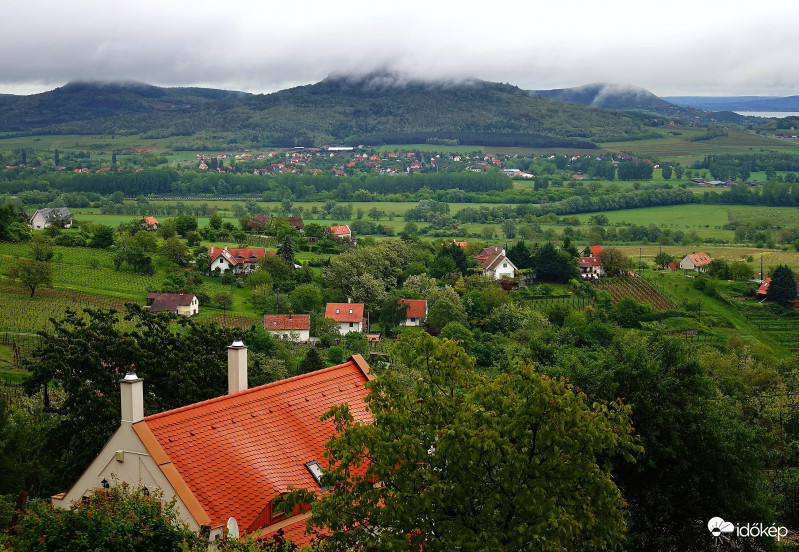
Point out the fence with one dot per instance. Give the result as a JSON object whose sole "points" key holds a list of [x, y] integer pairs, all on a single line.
{"points": [[21, 344]]}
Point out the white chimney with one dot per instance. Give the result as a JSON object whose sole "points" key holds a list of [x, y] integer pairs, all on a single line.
{"points": [[132, 388], [236, 367]]}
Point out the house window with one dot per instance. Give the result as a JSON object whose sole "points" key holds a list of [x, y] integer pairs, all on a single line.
{"points": [[338, 311], [504, 265], [350, 324], [413, 320], [316, 471], [350, 311]]}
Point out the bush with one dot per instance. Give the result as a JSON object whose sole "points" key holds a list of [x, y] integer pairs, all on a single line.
{"points": [[119, 518], [335, 355]]}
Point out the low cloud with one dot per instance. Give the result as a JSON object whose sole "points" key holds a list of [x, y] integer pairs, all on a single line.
{"points": [[250, 47]]}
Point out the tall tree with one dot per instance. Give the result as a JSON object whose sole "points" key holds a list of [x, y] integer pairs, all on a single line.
{"points": [[453, 460], [783, 285]]}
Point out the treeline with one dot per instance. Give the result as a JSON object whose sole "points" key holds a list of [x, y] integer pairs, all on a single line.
{"points": [[170, 182], [771, 193], [740, 166], [611, 202], [498, 139]]}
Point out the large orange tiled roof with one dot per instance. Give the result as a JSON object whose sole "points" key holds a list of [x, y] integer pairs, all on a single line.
{"points": [[417, 308], [344, 312], [237, 452]]}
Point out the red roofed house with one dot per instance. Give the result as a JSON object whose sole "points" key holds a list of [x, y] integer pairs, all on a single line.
{"points": [[240, 260], [416, 313], [350, 316], [342, 231], [591, 268], [762, 292], [185, 304], [487, 252], [226, 459], [498, 266], [294, 327], [695, 261], [149, 223]]}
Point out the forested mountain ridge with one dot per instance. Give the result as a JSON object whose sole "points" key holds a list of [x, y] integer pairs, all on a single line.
{"points": [[83, 101], [634, 98], [337, 109]]}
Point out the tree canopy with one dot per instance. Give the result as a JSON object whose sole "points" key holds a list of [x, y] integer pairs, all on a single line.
{"points": [[454, 459]]}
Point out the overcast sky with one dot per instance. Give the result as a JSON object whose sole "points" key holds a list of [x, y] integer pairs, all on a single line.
{"points": [[677, 47]]}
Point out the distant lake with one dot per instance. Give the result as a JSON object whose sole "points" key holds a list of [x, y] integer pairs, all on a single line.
{"points": [[778, 114]]}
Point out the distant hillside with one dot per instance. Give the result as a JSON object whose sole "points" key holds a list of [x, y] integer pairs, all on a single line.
{"points": [[377, 108], [82, 101], [633, 98], [611, 96], [738, 103]]}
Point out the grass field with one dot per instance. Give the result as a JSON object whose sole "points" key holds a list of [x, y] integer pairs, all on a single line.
{"points": [[679, 148]]}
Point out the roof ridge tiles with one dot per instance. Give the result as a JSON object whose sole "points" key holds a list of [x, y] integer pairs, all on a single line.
{"points": [[274, 384]]}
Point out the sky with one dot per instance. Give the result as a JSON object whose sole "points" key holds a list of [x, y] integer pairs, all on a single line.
{"points": [[679, 47]]}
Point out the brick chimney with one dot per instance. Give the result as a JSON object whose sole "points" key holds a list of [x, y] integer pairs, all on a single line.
{"points": [[132, 388], [236, 367]]}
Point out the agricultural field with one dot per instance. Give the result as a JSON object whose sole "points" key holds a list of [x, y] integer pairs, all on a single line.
{"points": [[677, 148], [635, 287], [771, 257]]}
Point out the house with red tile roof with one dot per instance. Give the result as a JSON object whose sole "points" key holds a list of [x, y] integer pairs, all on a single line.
{"points": [[242, 260], [591, 268], [227, 459], [695, 261], [149, 223], [498, 266], [596, 250], [416, 313], [185, 304], [341, 231], [293, 327], [350, 316], [487, 252]]}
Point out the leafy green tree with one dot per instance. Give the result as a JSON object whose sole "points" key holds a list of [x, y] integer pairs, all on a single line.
{"points": [[783, 285], [509, 228], [698, 455], [12, 229], [666, 172], [335, 355], [554, 265], [306, 298], [614, 260], [32, 274], [119, 518], [455, 460], [182, 362], [185, 224], [175, 251], [443, 312], [103, 237], [663, 259], [42, 248], [520, 255]]}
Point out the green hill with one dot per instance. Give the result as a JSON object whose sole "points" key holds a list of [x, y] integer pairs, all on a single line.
{"points": [[374, 109]]}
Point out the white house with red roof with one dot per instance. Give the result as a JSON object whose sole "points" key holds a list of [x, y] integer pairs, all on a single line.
{"points": [[227, 459], [416, 313], [695, 261], [350, 316], [293, 327], [591, 268], [242, 260], [341, 231], [149, 223], [498, 266]]}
